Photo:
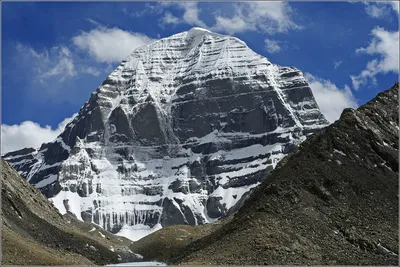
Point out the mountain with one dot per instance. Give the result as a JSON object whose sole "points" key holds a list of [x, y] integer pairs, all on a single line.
{"points": [[179, 133], [332, 201], [33, 232]]}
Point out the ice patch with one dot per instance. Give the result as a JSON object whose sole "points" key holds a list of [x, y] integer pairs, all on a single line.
{"points": [[74, 203], [21, 161], [46, 181], [45, 166], [231, 195], [246, 152], [213, 137], [138, 231]]}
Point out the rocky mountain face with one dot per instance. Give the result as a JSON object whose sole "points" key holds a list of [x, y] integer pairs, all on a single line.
{"points": [[333, 201], [33, 232], [179, 133]]}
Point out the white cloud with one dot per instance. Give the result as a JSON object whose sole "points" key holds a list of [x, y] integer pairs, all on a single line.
{"points": [[385, 45], [148, 10], [65, 66], [92, 21], [110, 45], [190, 14], [336, 64], [232, 25], [396, 6], [272, 46], [381, 9], [376, 10], [331, 99], [92, 71], [269, 17], [29, 134], [55, 74], [56, 62], [170, 19]]}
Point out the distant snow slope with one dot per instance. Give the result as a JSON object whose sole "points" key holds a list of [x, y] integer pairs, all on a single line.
{"points": [[178, 133]]}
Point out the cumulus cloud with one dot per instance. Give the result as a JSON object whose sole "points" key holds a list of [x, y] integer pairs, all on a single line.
{"points": [[384, 45], [331, 99], [232, 25], [101, 43], [170, 19], [269, 17], [190, 14], [272, 46], [29, 134]]}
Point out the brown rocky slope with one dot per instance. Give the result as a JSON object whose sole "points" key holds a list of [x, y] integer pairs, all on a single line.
{"points": [[35, 233], [333, 201]]}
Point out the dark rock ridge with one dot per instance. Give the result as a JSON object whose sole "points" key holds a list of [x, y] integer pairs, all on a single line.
{"points": [[333, 201], [179, 133]]}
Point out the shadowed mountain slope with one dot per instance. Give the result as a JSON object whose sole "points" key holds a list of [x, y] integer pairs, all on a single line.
{"points": [[334, 200]]}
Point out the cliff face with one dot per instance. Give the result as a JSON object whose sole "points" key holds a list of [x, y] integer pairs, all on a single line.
{"points": [[33, 232], [179, 133], [334, 200]]}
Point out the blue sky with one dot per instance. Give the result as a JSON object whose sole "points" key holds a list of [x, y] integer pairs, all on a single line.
{"points": [[54, 55]]}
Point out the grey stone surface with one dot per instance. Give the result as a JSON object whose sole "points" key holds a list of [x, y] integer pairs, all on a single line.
{"points": [[170, 132]]}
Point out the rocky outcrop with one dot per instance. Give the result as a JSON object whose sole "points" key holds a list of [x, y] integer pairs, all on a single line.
{"points": [[333, 201], [177, 134], [35, 233]]}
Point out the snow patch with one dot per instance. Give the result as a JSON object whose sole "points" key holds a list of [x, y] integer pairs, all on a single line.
{"points": [[74, 203], [63, 145], [46, 181], [339, 152], [231, 195], [138, 231]]}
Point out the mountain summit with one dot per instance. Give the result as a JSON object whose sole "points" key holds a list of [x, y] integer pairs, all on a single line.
{"points": [[178, 133]]}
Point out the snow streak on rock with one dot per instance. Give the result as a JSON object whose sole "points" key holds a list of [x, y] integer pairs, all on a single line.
{"points": [[179, 133]]}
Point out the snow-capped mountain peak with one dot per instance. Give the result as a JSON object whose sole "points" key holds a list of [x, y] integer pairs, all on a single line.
{"points": [[178, 133]]}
